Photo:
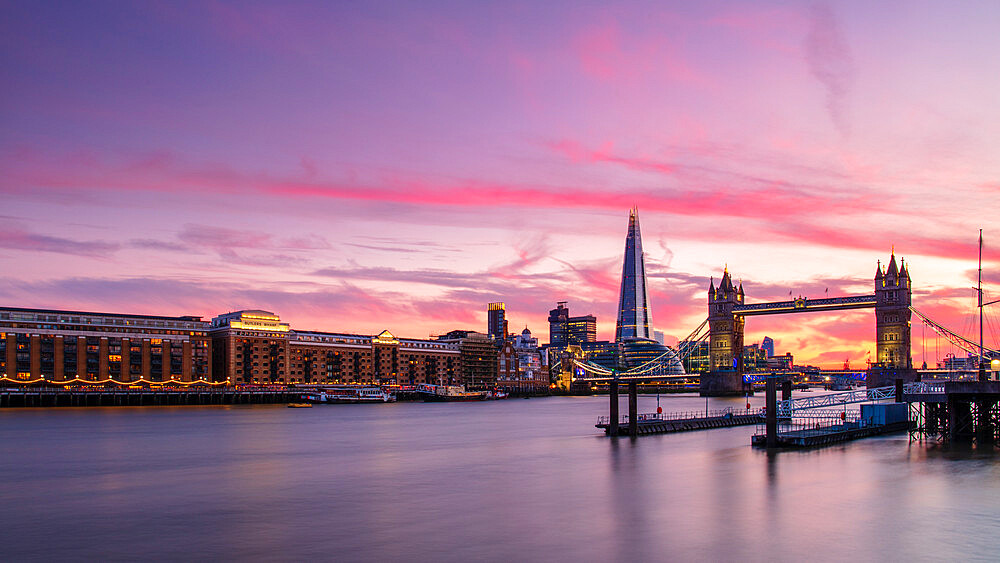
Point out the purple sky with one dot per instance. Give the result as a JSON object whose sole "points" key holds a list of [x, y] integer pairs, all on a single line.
{"points": [[355, 167]]}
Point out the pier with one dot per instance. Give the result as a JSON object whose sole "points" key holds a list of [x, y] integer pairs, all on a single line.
{"points": [[955, 411], [116, 397], [810, 436], [664, 423]]}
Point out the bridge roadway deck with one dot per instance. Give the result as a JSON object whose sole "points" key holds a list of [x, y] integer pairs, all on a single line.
{"points": [[803, 305]]}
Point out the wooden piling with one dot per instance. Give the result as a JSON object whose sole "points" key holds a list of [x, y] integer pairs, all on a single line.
{"points": [[771, 422], [613, 393], [633, 409]]}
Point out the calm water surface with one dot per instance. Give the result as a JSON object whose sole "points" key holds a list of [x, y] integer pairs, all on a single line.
{"points": [[500, 481]]}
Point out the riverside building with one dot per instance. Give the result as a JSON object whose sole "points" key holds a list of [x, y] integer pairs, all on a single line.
{"points": [[238, 348], [254, 346], [62, 346], [478, 357]]}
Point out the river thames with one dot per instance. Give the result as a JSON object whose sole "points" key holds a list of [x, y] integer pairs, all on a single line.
{"points": [[497, 481]]}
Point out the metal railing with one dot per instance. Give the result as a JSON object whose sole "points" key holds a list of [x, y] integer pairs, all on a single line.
{"points": [[825, 425], [789, 406], [922, 388], [821, 414]]}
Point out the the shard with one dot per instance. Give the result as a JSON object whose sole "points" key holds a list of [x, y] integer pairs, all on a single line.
{"points": [[634, 315]]}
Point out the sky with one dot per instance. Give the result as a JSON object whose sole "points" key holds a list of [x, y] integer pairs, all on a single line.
{"points": [[360, 166]]}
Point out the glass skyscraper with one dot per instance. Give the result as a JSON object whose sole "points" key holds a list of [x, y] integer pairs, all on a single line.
{"points": [[634, 316]]}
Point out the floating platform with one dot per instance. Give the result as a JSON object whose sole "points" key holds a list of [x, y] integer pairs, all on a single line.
{"points": [[825, 435], [667, 426]]}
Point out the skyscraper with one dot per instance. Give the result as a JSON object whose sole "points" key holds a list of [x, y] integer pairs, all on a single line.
{"points": [[634, 316], [558, 319], [496, 321], [768, 346]]}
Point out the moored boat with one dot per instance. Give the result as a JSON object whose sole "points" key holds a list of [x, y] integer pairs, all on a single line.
{"points": [[457, 393], [349, 395]]}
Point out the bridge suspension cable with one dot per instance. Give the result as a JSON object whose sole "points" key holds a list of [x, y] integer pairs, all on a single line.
{"points": [[959, 341], [667, 364], [690, 344]]}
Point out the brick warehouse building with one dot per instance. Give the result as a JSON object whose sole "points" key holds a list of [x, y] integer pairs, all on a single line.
{"points": [[242, 347], [68, 345], [256, 347]]}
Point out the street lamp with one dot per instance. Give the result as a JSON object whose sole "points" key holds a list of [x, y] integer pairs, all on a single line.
{"points": [[995, 368]]}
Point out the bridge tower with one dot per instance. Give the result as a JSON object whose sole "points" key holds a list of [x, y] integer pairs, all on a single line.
{"points": [[725, 341], [892, 326]]}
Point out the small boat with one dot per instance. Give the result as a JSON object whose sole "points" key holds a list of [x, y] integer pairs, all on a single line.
{"points": [[300, 405], [449, 393]]}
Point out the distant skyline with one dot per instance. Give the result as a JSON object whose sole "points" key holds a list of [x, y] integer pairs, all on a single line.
{"points": [[357, 167]]}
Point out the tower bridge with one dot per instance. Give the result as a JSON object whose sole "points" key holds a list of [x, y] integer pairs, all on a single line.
{"points": [[727, 312], [639, 358]]}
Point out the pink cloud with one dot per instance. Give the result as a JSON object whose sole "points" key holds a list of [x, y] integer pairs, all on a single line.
{"points": [[18, 239]]}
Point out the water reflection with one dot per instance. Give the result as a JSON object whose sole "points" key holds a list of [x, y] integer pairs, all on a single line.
{"points": [[513, 480]]}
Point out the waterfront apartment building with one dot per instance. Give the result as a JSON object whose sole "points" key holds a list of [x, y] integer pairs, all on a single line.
{"points": [[479, 357], [58, 345], [242, 347], [254, 346]]}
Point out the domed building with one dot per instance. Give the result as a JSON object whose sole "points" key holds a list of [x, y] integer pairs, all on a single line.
{"points": [[635, 352]]}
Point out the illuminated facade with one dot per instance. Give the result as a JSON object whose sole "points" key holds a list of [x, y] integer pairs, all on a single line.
{"points": [[256, 347], [496, 321], [565, 330], [893, 296], [238, 348], [581, 329], [323, 357], [558, 319], [726, 338], [479, 358], [251, 347], [62, 346], [522, 366], [892, 316], [634, 315]]}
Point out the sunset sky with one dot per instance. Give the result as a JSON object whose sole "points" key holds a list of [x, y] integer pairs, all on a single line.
{"points": [[357, 166]]}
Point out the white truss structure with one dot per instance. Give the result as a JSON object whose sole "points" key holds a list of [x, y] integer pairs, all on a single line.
{"points": [[791, 407]]}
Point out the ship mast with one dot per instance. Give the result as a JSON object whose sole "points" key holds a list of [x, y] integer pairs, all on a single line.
{"points": [[982, 366]]}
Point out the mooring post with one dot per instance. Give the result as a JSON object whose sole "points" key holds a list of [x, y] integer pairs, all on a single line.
{"points": [[786, 390], [771, 423], [613, 393], [633, 409], [984, 422], [899, 390]]}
